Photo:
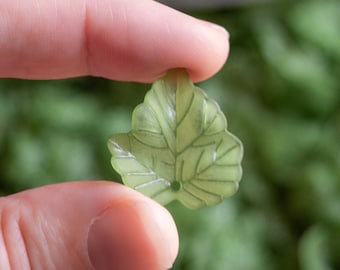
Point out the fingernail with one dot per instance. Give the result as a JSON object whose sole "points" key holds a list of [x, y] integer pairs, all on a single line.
{"points": [[129, 236], [216, 27]]}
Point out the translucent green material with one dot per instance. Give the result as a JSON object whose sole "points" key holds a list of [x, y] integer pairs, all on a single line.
{"points": [[178, 147]]}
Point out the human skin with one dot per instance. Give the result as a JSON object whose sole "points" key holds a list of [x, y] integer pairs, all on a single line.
{"points": [[96, 224]]}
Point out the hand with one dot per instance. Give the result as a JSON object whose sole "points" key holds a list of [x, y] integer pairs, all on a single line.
{"points": [[96, 225]]}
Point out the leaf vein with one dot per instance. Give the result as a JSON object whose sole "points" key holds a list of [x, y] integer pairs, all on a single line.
{"points": [[205, 191], [199, 161], [213, 180], [217, 159], [227, 151], [179, 122], [144, 131], [149, 145], [165, 113], [192, 144], [192, 194], [159, 192], [158, 180], [210, 124], [149, 173]]}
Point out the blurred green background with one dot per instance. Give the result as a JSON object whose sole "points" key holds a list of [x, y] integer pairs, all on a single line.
{"points": [[280, 92]]}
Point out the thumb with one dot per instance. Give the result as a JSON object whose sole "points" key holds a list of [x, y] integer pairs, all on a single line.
{"points": [[85, 225]]}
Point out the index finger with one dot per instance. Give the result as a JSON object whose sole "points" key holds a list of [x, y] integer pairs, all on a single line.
{"points": [[116, 39]]}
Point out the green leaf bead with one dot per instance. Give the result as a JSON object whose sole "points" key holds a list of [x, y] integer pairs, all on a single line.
{"points": [[179, 146]]}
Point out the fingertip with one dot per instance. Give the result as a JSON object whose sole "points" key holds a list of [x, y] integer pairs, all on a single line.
{"points": [[213, 53], [202, 49], [167, 228], [133, 234]]}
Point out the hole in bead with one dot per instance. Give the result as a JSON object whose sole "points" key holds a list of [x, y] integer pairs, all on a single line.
{"points": [[175, 186]]}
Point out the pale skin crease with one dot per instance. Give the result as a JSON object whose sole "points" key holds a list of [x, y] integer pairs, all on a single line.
{"points": [[59, 226]]}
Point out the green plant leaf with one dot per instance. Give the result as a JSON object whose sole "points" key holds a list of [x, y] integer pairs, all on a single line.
{"points": [[179, 147]]}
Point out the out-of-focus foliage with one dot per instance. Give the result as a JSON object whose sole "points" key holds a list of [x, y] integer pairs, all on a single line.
{"points": [[280, 92]]}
